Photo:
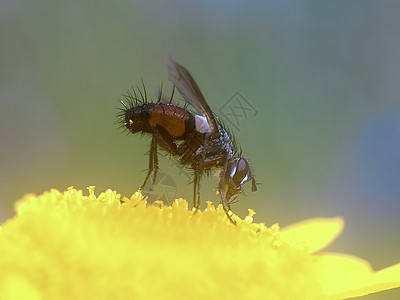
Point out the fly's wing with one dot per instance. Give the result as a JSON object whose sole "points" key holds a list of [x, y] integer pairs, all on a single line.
{"points": [[187, 87]]}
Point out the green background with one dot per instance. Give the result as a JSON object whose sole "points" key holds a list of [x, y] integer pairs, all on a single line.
{"points": [[322, 76]]}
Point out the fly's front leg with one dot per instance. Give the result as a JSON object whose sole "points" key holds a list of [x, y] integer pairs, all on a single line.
{"points": [[227, 207], [223, 192]]}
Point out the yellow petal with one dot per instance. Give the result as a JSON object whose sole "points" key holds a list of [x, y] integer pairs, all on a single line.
{"points": [[345, 276], [316, 233]]}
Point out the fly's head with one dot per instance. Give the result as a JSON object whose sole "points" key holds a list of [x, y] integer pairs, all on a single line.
{"points": [[237, 173]]}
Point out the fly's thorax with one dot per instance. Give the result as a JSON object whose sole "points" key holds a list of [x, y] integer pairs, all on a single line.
{"points": [[202, 124], [205, 151], [226, 142]]}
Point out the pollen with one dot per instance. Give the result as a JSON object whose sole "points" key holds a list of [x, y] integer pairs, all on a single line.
{"points": [[68, 245]]}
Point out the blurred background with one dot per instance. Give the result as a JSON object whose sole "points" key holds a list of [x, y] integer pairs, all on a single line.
{"points": [[310, 90]]}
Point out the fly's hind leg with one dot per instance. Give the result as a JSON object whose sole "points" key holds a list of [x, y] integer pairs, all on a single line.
{"points": [[153, 167], [164, 139]]}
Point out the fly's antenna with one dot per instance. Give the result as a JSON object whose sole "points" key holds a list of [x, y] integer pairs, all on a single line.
{"points": [[254, 187]]}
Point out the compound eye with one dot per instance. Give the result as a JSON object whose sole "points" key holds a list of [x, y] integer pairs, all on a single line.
{"points": [[241, 172]]}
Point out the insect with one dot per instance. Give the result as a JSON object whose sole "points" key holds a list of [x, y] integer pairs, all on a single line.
{"points": [[199, 141]]}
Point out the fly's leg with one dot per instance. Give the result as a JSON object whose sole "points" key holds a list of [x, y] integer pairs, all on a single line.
{"points": [[196, 191], [164, 139], [227, 207], [197, 174], [223, 193], [153, 166]]}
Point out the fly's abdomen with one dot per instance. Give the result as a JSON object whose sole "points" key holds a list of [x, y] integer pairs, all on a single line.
{"points": [[175, 120]]}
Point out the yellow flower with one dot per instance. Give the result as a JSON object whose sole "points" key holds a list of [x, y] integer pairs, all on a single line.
{"points": [[70, 246]]}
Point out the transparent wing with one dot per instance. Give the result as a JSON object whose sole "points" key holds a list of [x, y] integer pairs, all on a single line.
{"points": [[187, 87]]}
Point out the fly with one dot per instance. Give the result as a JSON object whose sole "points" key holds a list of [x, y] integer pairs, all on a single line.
{"points": [[199, 142]]}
